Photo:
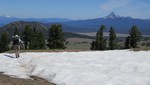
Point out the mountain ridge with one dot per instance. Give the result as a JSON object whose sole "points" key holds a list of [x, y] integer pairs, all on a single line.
{"points": [[121, 24], [10, 28], [5, 19]]}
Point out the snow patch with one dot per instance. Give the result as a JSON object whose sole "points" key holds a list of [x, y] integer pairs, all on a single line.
{"points": [[81, 68]]}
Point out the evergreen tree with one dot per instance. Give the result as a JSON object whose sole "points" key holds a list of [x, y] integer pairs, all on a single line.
{"points": [[33, 38], [127, 43], [41, 40], [93, 45], [103, 45], [135, 36], [17, 32], [27, 35], [37, 40], [33, 43], [112, 39], [4, 42], [56, 37], [100, 43]]}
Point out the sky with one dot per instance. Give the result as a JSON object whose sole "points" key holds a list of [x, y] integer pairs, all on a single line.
{"points": [[74, 9]]}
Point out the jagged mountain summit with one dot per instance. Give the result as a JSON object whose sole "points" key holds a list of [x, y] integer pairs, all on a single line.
{"points": [[112, 15]]}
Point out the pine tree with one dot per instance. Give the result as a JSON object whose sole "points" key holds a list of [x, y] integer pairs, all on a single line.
{"points": [[112, 39], [51, 37], [37, 40], [127, 43], [100, 42], [41, 40], [33, 40], [17, 32], [4, 42], [93, 45], [27, 35], [135, 36], [56, 37]]}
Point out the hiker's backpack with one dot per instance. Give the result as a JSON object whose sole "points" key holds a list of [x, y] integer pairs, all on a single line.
{"points": [[16, 41]]}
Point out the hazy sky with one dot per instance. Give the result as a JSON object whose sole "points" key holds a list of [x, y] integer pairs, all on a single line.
{"points": [[74, 9]]}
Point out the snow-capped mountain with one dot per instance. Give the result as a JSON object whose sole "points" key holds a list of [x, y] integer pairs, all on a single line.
{"points": [[121, 24], [112, 15]]}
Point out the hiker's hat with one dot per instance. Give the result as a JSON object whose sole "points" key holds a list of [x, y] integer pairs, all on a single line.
{"points": [[16, 36]]}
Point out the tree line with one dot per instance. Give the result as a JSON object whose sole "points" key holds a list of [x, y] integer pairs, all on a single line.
{"points": [[34, 39], [100, 43]]}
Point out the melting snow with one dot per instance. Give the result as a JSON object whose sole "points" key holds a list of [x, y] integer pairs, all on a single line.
{"points": [[81, 68]]}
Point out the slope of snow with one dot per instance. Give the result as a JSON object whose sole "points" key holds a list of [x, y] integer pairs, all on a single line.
{"points": [[81, 68]]}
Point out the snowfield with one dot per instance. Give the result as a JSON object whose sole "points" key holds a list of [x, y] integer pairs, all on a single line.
{"points": [[81, 68]]}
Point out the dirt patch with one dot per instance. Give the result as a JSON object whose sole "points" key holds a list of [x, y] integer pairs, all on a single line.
{"points": [[142, 49], [6, 80]]}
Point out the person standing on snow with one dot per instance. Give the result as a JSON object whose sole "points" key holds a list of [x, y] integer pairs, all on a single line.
{"points": [[16, 45]]}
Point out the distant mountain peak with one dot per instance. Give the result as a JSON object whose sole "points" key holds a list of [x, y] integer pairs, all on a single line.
{"points": [[112, 15], [6, 16]]}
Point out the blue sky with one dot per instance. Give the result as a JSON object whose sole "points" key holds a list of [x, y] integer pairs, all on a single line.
{"points": [[74, 9]]}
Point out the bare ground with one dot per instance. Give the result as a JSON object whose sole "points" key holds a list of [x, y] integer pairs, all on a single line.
{"points": [[141, 49], [6, 80]]}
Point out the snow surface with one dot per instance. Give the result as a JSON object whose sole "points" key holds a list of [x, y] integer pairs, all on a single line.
{"points": [[81, 68]]}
